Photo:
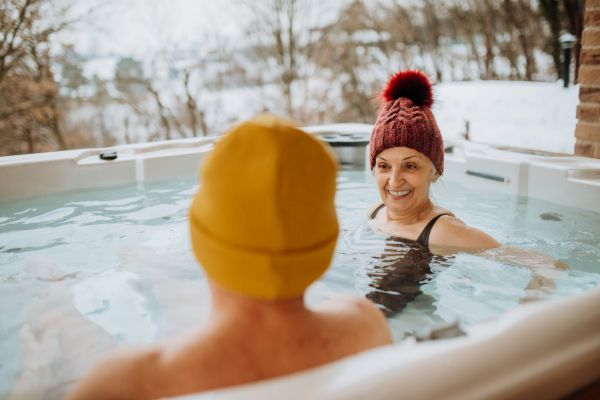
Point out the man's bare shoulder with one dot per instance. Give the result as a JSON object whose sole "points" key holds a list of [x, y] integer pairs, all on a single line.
{"points": [[360, 315], [124, 373]]}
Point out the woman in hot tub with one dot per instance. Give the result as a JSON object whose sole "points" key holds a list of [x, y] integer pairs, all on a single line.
{"points": [[406, 157]]}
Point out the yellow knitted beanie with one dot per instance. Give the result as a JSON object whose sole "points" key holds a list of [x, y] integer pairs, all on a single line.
{"points": [[263, 222]]}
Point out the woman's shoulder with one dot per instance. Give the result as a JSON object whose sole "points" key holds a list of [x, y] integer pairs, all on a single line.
{"points": [[437, 210], [451, 231]]}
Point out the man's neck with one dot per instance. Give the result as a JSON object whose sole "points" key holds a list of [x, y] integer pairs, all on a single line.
{"points": [[230, 306]]}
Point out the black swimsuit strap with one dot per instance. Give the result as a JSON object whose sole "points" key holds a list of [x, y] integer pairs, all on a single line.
{"points": [[377, 210], [424, 237]]}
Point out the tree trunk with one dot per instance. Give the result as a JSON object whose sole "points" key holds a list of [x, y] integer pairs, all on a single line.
{"points": [[191, 104], [161, 110], [29, 139], [528, 52], [489, 56], [54, 126], [551, 13]]}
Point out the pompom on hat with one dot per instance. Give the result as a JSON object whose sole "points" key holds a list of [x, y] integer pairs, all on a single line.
{"points": [[263, 223], [405, 118]]}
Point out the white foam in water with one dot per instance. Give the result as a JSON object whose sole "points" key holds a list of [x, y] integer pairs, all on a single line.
{"points": [[51, 216], [156, 211], [469, 291], [85, 273], [109, 301]]}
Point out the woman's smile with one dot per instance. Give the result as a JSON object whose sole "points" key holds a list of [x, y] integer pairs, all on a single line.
{"points": [[400, 194]]}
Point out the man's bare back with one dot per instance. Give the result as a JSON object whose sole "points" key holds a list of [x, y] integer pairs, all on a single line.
{"points": [[244, 341]]}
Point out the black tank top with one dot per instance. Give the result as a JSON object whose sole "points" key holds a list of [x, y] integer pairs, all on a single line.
{"points": [[404, 266]]}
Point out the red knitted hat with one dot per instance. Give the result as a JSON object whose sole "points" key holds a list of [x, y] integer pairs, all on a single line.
{"points": [[405, 118]]}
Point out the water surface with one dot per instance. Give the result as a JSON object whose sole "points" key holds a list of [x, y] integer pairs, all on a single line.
{"points": [[84, 273]]}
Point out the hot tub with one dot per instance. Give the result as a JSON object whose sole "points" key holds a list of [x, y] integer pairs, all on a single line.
{"points": [[542, 350]]}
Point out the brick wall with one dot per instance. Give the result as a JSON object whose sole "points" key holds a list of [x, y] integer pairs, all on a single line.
{"points": [[587, 131]]}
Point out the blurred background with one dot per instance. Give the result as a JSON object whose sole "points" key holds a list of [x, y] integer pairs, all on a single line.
{"points": [[97, 73]]}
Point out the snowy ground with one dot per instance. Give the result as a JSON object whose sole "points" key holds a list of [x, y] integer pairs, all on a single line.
{"points": [[533, 115]]}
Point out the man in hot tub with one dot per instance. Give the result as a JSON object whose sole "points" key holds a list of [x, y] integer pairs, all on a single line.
{"points": [[264, 227]]}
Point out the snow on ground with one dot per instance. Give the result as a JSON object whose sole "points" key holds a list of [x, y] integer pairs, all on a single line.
{"points": [[533, 115]]}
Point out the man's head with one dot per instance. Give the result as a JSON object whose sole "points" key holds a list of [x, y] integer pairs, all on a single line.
{"points": [[263, 222]]}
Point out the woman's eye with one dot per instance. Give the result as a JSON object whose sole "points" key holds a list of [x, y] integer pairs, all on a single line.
{"points": [[411, 166], [382, 166]]}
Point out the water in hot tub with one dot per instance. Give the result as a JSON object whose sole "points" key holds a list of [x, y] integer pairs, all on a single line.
{"points": [[84, 273]]}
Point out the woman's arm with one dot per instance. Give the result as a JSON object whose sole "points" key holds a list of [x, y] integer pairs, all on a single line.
{"points": [[450, 231], [544, 269], [451, 236]]}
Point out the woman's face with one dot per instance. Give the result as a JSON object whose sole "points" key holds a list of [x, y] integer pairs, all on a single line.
{"points": [[403, 177]]}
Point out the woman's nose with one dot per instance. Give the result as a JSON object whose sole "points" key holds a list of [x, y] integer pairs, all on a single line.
{"points": [[396, 179]]}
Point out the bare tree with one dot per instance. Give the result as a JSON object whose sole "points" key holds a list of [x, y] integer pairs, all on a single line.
{"points": [[284, 35], [346, 52], [522, 18], [197, 117], [28, 109], [190, 103], [561, 15], [31, 105]]}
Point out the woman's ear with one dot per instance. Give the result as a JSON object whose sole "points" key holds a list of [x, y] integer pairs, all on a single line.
{"points": [[435, 178]]}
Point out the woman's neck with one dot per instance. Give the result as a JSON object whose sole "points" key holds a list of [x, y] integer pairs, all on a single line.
{"points": [[410, 216]]}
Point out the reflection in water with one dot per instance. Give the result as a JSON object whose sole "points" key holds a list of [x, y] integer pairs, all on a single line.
{"points": [[392, 272], [56, 341], [177, 295], [403, 267], [71, 320]]}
